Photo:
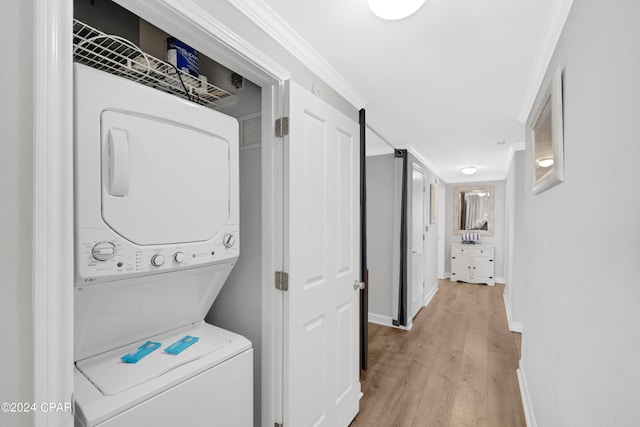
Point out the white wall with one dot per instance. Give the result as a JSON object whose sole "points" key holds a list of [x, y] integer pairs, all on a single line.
{"points": [[509, 229], [581, 342], [498, 238], [514, 195], [238, 307], [517, 300], [380, 181], [16, 193]]}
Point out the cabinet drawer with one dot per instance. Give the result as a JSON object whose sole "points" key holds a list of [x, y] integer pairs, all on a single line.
{"points": [[457, 250]]}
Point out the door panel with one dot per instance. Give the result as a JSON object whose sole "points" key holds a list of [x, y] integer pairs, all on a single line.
{"points": [[481, 267], [461, 267], [344, 158], [417, 240], [321, 384], [158, 160]]}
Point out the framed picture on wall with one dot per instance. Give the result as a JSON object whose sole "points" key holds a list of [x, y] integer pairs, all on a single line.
{"points": [[546, 136]]}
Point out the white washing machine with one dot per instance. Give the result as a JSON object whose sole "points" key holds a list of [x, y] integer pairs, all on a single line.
{"points": [[156, 236]]}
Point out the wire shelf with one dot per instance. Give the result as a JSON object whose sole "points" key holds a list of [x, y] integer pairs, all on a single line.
{"points": [[119, 56]]}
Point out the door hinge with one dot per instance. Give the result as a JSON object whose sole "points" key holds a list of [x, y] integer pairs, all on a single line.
{"points": [[282, 127], [282, 281], [277, 425]]}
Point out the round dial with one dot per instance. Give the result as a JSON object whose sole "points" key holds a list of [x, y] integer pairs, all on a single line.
{"points": [[157, 260], [103, 251], [228, 240], [179, 257]]}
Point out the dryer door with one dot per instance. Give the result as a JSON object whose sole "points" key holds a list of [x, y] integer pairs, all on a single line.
{"points": [[162, 183]]}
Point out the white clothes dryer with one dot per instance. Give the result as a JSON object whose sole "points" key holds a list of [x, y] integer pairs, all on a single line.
{"points": [[156, 236]]}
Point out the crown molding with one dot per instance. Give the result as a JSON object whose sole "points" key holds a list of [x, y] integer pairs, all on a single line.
{"points": [[416, 154], [556, 19], [271, 23], [519, 146]]}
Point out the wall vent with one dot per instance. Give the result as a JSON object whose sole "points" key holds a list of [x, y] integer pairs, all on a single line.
{"points": [[250, 131]]}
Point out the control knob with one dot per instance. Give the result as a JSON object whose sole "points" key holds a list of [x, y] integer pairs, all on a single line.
{"points": [[228, 240], [179, 257], [103, 251], [157, 260]]}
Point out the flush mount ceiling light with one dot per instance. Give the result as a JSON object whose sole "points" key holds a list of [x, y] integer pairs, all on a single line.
{"points": [[394, 9], [469, 170], [545, 162]]}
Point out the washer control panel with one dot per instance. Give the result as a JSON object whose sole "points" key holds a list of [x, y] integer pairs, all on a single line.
{"points": [[103, 257]]}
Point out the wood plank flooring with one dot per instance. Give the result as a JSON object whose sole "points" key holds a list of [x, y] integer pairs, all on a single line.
{"points": [[456, 367]]}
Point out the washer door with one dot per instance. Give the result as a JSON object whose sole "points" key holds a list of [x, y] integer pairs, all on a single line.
{"points": [[162, 183]]}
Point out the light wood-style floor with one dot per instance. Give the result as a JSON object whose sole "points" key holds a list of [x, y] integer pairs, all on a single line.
{"points": [[456, 367]]}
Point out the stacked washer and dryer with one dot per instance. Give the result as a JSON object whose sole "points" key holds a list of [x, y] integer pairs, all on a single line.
{"points": [[156, 236]]}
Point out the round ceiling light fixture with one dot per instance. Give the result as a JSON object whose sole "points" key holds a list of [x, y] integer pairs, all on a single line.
{"points": [[469, 170], [392, 10], [545, 162]]}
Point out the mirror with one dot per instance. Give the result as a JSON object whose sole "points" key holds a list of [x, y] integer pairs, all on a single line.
{"points": [[473, 210]]}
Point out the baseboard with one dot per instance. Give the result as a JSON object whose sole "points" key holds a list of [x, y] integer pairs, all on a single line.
{"points": [[447, 275], [513, 326], [380, 320], [529, 415], [387, 321], [501, 280], [430, 295]]}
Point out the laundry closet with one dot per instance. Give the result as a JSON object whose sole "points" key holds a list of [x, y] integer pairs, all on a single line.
{"points": [[106, 34]]}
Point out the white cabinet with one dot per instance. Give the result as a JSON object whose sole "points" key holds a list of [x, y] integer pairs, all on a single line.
{"points": [[473, 264]]}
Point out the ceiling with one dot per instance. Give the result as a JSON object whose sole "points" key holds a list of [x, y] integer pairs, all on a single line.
{"points": [[452, 81]]}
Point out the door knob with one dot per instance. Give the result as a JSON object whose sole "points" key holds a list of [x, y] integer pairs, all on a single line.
{"points": [[358, 285]]}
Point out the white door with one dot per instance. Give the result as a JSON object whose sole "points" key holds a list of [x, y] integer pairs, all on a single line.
{"points": [[418, 205], [460, 267], [321, 369], [482, 268]]}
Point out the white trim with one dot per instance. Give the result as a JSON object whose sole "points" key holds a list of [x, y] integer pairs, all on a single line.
{"points": [[261, 14], [53, 209], [525, 394], [500, 280], [556, 20], [513, 326], [432, 293], [379, 319], [512, 152]]}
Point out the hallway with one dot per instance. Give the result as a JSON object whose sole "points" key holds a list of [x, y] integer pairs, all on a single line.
{"points": [[456, 367]]}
